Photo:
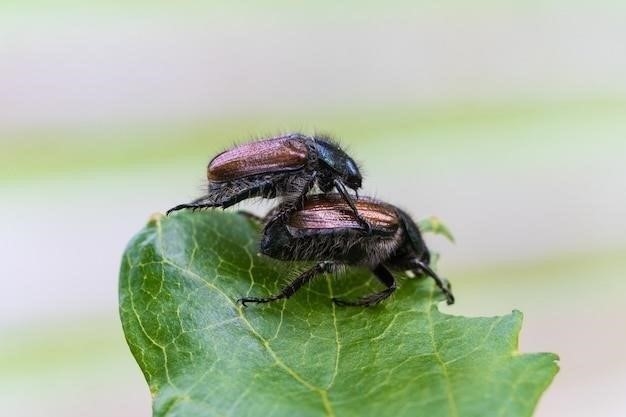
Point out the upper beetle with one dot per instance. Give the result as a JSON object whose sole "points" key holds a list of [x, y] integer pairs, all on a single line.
{"points": [[323, 230], [284, 166]]}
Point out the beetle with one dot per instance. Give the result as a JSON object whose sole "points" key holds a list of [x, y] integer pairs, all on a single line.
{"points": [[323, 230], [287, 166]]}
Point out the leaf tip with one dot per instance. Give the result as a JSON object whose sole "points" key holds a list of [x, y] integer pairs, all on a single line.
{"points": [[155, 218], [435, 225]]}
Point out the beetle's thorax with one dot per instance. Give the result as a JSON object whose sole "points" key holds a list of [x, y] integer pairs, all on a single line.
{"points": [[335, 163]]}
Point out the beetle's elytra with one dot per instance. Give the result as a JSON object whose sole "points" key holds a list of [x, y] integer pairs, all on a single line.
{"points": [[268, 156], [286, 166], [324, 230]]}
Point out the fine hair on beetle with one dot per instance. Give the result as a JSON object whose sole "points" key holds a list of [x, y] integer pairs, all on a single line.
{"points": [[288, 166], [323, 230]]}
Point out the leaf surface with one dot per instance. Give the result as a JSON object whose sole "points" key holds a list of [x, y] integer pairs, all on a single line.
{"points": [[204, 355]]}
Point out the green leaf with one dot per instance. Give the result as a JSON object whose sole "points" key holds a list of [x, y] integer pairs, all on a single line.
{"points": [[204, 355], [434, 225]]}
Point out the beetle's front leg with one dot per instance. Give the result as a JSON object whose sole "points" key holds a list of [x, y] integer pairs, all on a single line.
{"points": [[443, 284], [341, 188]]}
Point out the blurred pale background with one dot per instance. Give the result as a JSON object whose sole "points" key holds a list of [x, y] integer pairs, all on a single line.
{"points": [[508, 122]]}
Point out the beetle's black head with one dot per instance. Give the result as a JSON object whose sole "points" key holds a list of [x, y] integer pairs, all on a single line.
{"points": [[420, 257], [425, 256], [338, 162], [414, 239]]}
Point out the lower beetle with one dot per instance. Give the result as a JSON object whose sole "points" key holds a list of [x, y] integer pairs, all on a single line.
{"points": [[286, 166], [324, 230]]}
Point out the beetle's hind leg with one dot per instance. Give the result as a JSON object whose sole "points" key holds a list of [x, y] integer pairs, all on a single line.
{"points": [[291, 288], [200, 203], [261, 189], [214, 199], [383, 276]]}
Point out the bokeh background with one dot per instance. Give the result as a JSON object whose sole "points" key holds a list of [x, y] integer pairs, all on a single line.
{"points": [[505, 119]]}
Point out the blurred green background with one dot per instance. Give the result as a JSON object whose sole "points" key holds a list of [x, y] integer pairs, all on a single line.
{"points": [[508, 121]]}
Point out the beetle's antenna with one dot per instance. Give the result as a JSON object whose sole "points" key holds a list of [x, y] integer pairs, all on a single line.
{"points": [[443, 285]]}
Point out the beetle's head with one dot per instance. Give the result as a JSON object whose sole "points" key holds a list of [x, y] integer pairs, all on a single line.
{"points": [[413, 238], [340, 165], [420, 256], [425, 256]]}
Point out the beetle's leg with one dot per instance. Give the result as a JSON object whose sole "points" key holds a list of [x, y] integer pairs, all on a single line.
{"points": [[384, 276], [259, 190], [291, 288], [298, 202], [250, 216], [344, 193], [281, 213], [203, 202], [208, 202], [255, 218], [443, 284]]}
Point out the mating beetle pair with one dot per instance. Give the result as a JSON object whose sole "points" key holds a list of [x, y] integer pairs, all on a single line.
{"points": [[332, 229]]}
